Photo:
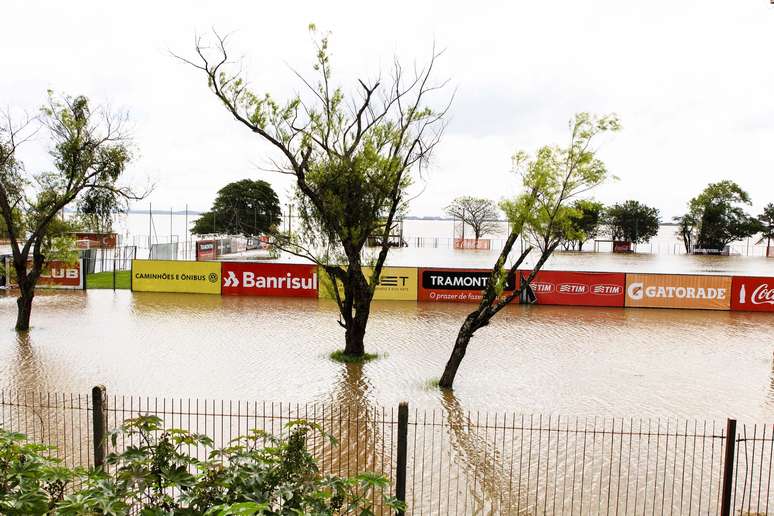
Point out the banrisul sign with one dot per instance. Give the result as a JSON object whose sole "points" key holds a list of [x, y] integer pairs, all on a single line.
{"points": [[752, 293], [176, 276], [269, 279], [456, 285]]}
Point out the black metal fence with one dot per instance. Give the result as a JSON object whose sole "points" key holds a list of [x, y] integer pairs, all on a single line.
{"points": [[450, 461]]}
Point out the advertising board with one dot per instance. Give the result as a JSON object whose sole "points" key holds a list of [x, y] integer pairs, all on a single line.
{"points": [[753, 294], [455, 285], [678, 291], [269, 279], [578, 288], [206, 250], [56, 274], [395, 284], [175, 276]]}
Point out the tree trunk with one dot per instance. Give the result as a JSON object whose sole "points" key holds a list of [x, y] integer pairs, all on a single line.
{"points": [[357, 319], [458, 353], [24, 304], [580, 246]]}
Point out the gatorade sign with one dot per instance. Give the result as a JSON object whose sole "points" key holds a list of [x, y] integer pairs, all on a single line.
{"points": [[678, 291], [269, 279], [752, 294]]}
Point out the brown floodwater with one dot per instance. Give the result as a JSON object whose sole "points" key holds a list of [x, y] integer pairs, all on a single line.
{"points": [[557, 360]]}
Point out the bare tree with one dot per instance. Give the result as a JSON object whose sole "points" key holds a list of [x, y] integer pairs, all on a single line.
{"points": [[90, 152], [351, 155], [478, 213]]}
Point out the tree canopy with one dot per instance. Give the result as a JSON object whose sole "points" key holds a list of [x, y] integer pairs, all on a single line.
{"points": [[89, 151], [716, 217], [352, 154], [632, 221], [247, 207], [477, 212], [586, 222]]}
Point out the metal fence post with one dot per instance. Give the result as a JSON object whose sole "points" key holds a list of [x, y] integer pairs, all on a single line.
{"points": [[728, 468], [99, 423], [400, 475]]}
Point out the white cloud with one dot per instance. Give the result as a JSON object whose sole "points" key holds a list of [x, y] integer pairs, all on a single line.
{"points": [[692, 81]]}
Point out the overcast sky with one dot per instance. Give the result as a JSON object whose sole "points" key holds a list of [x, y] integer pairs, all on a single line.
{"points": [[693, 83]]}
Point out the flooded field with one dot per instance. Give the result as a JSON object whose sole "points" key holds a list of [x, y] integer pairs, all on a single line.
{"points": [[559, 360]]}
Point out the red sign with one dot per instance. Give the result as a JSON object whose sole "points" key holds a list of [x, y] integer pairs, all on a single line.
{"points": [[455, 285], [269, 279], [56, 274], [752, 293], [470, 243], [622, 247], [95, 240], [578, 288], [206, 250]]}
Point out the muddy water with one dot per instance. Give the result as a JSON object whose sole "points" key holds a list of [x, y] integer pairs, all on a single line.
{"points": [[559, 360]]}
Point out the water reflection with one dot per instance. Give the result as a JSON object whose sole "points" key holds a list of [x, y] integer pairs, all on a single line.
{"points": [[574, 360]]}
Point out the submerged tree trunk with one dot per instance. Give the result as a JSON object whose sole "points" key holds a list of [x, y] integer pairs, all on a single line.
{"points": [[354, 335], [24, 304], [458, 353]]}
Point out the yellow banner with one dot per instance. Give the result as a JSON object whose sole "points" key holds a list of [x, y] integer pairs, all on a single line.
{"points": [[395, 284], [678, 291], [176, 276]]}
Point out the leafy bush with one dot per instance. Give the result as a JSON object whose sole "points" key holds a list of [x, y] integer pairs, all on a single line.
{"points": [[157, 475]]}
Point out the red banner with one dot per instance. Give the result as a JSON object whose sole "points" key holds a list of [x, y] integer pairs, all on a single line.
{"points": [[269, 279], [56, 274], [752, 293], [455, 285], [578, 288]]}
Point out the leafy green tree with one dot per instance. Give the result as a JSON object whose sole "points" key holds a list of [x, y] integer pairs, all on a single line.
{"points": [[632, 221], [98, 208], [480, 214], [352, 155], [586, 221], [245, 207], [718, 217], [89, 151], [549, 180], [766, 219], [156, 475]]}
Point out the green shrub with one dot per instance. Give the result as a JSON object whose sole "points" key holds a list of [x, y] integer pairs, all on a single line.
{"points": [[255, 474]]}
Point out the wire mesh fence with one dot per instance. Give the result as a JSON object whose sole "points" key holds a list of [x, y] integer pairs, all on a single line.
{"points": [[458, 462]]}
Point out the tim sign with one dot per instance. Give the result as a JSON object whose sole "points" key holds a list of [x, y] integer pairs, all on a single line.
{"points": [[578, 288], [753, 294], [455, 285], [678, 291], [269, 279]]}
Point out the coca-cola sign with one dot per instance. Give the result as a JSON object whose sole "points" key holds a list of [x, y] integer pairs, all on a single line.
{"points": [[752, 294], [578, 288]]}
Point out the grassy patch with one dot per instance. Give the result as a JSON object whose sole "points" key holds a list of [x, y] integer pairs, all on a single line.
{"points": [[340, 356], [105, 280], [432, 383]]}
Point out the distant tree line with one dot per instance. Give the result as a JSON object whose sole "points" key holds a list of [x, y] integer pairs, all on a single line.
{"points": [[715, 218]]}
